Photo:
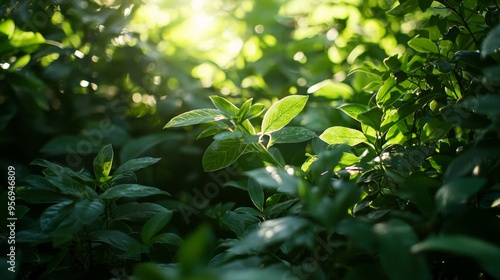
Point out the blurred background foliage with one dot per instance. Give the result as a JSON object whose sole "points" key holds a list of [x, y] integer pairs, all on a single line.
{"points": [[77, 75]]}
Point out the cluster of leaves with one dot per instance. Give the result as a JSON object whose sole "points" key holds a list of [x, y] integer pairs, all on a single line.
{"points": [[90, 225], [411, 193]]}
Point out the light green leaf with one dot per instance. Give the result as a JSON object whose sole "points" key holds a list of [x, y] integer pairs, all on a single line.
{"points": [[354, 109], [282, 112], [341, 135], [131, 190], [222, 153], [227, 108], [103, 162], [491, 43], [254, 111], [196, 117], [423, 45], [275, 178], [256, 193], [291, 135], [486, 254], [7, 27], [154, 225]]}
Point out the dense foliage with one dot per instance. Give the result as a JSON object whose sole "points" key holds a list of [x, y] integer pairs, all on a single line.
{"points": [[282, 139]]}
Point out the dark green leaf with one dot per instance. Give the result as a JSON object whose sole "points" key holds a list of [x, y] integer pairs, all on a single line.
{"points": [[424, 4], [291, 135], [119, 240], [405, 7], [222, 153], [154, 225], [491, 43], [136, 212], [458, 191], [395, 239], [167, 238], [256, 193], [134, 165], [486, 254], [131, 190]]}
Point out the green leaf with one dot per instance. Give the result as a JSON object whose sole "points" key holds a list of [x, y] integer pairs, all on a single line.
{"points": [[270, 232], [491, 43], [387, 94], [424, 4], [134, 165], [353, 109], [154, 225], [486, 104], [69, 217], [395, 239], [256, 193], [222, 153], [458, 191], [423, 45], [196, 117], [405, 7], [7, 27], [136, 212], [195, 252], [167, 238], [254, 111], [372, 118], [103, 162], [282, 112], [120, 241], [485, 253], [275, 178], [131, 190], [227, 108], [434, 129], [341, 135], [135, 148], [291, 135]]}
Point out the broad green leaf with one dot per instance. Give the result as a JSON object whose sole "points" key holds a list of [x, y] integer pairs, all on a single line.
{"points": [[486, 254], [282, 112], [353, 109], [227, 108], [245, 107], [417, 189], [69, 217], [136, 212], [119, 240], [405, 7], [20, 63], [270, 232], [196, 250], [395, 240], [458, 191], [196, 117], [434, 129], [371, 118], [464, 117], [154, 225], [341, 135], [491, 43], [423, 45], [331, 90], [424, 4], [234, 223], [486, 104], [213, 129], [27, 41], [103, 162], [291, 135], [167, 238], [254, 111], [131, 190], [222, 153], [256, 193], [275, 178], [134, 165], [387, 93]]}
